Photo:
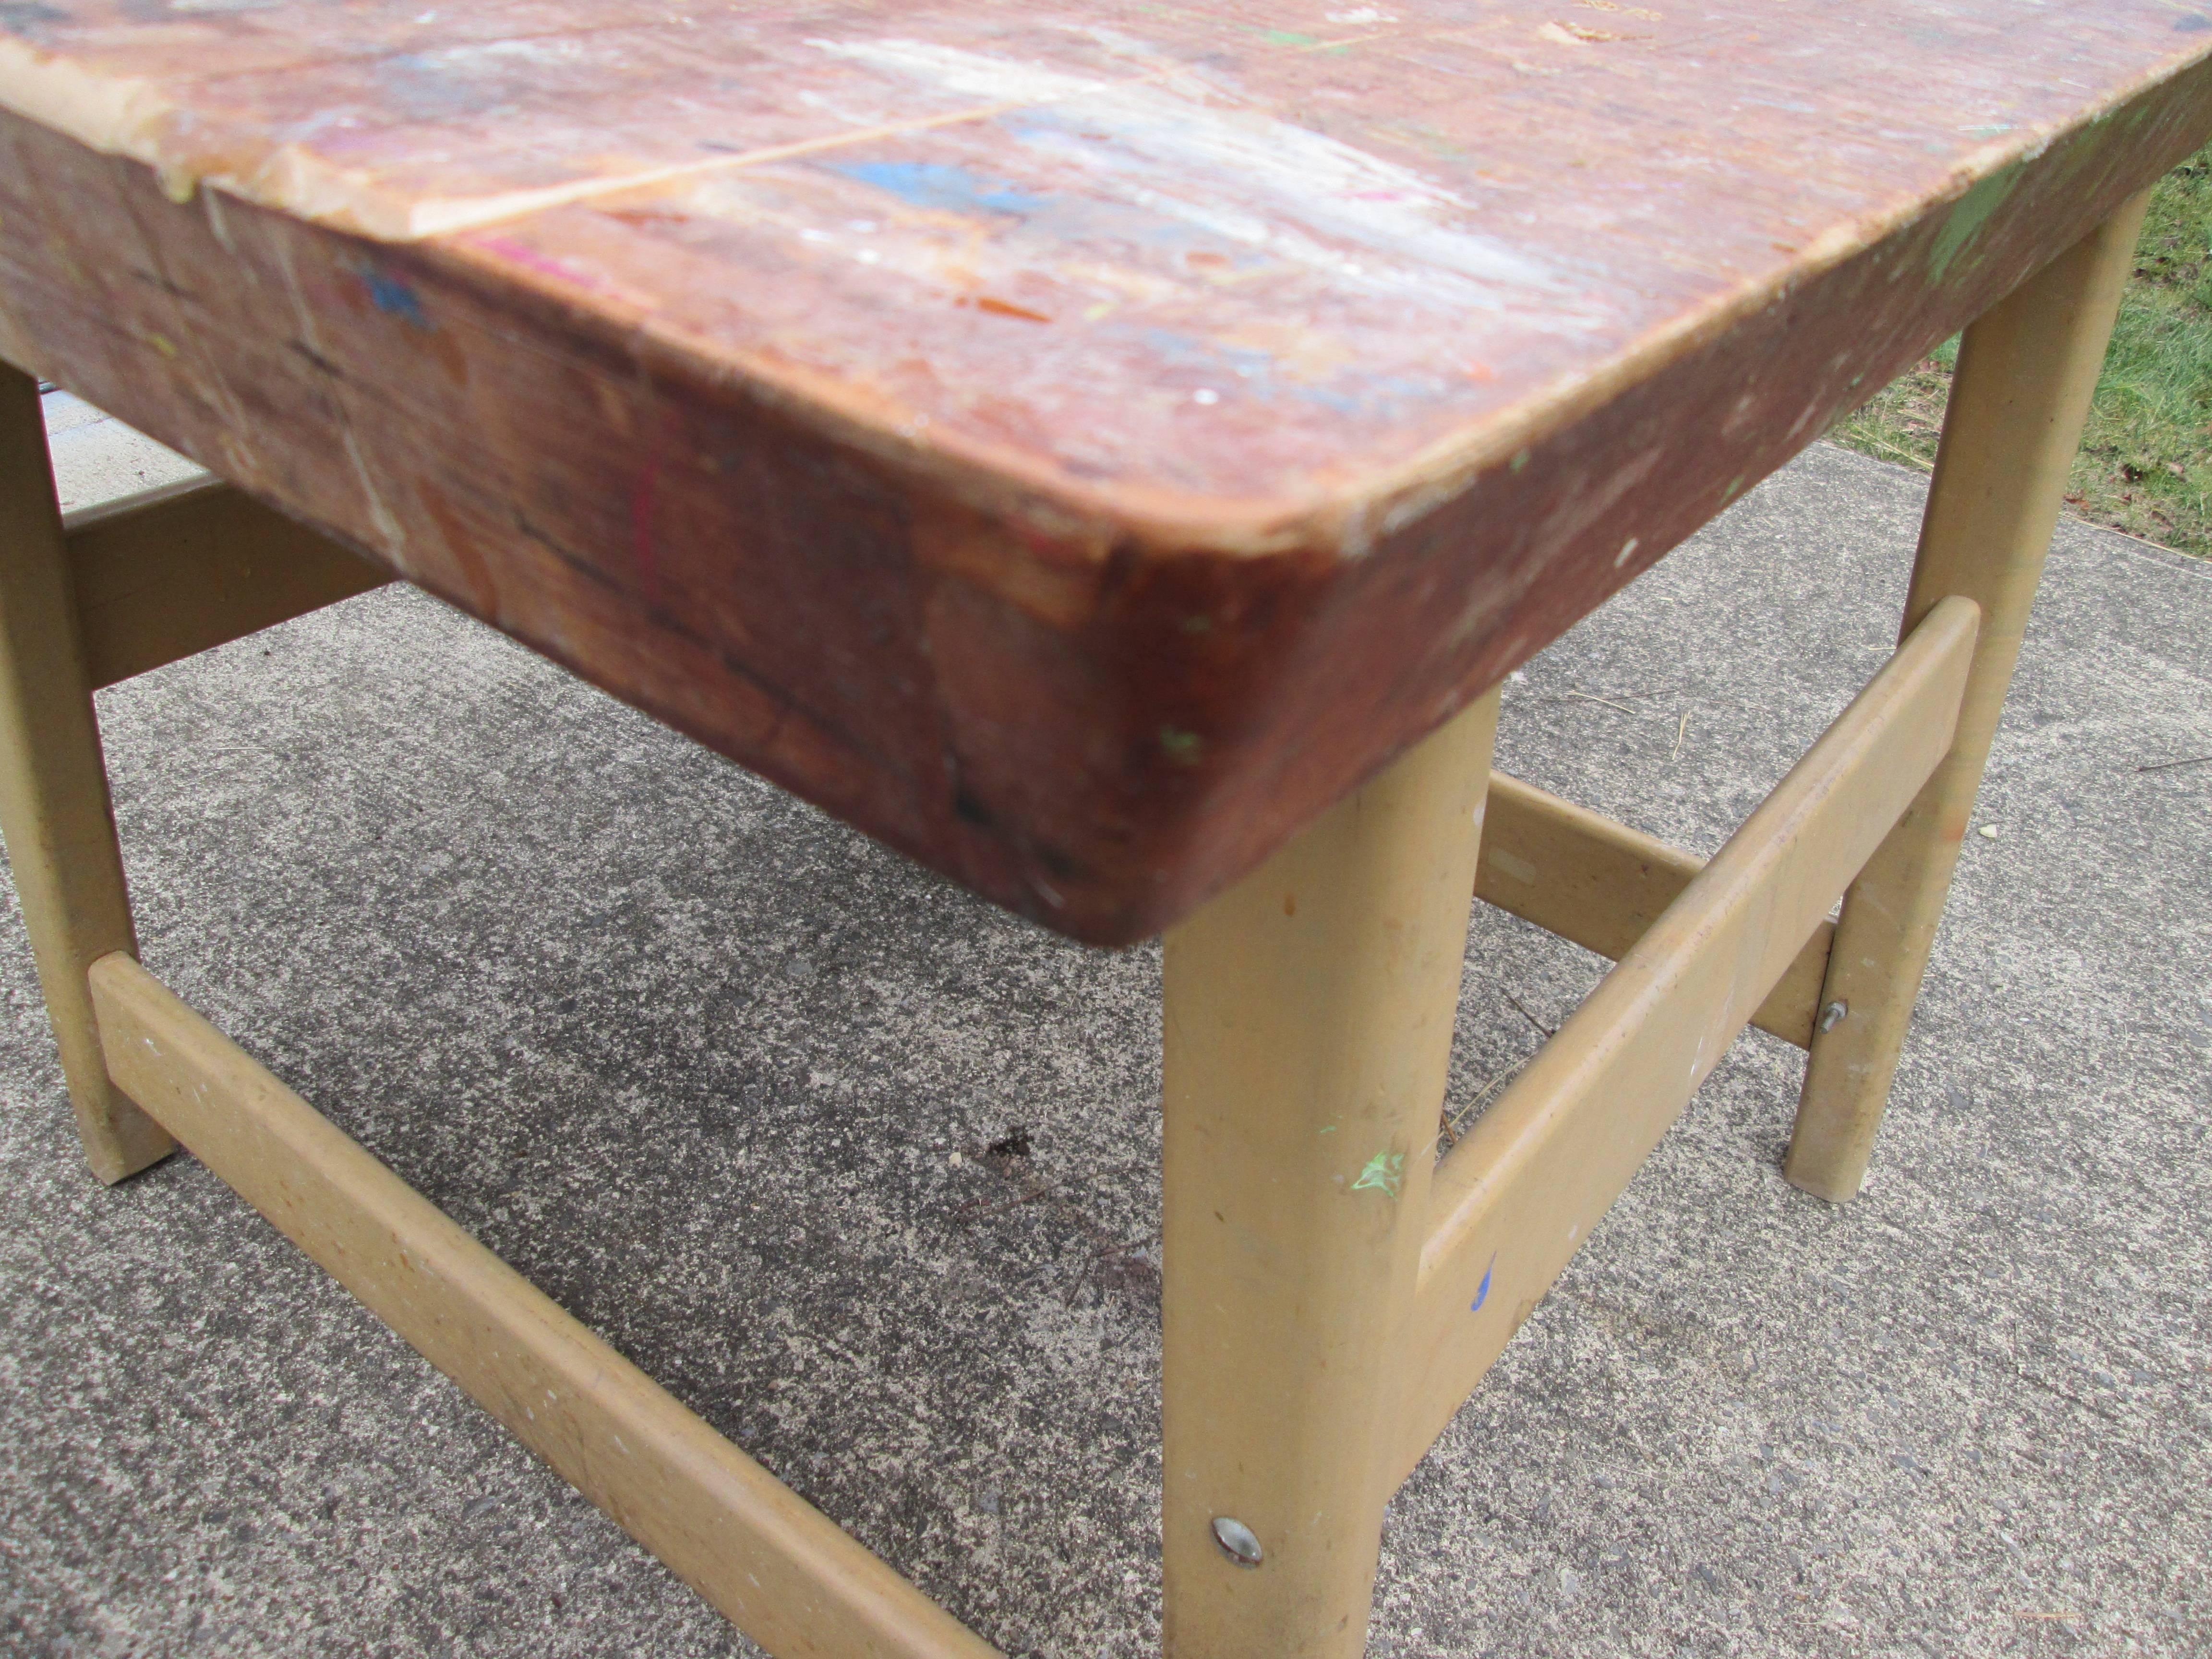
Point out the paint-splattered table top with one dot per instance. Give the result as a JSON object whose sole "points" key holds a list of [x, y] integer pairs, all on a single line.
{"points": [[1074, 441]]}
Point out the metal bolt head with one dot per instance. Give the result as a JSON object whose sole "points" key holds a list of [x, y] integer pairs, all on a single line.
{"points": [[1833, 1014], [1236, 1540]]}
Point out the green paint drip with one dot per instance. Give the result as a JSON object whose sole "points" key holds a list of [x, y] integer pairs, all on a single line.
{"points": [[1968, 215], [1385, 1173], [1183, 748]]}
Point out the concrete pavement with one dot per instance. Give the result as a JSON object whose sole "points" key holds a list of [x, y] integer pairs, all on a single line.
{"points": [[720, 1075]]}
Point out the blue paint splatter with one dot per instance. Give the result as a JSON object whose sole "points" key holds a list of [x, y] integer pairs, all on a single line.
{"points": [[949, 189], [394, 298], [1482, 1291], [1254, 370]]}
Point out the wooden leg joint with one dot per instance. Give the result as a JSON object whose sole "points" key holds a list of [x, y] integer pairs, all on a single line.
{"points": [[1602, 885], [1309, 1025], [54, 809]]}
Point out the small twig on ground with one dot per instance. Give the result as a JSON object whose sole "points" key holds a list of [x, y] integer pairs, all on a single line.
{"points": [[979, 1207], [1458, 1122], [1451, 1125], [1584, 696], [1547, 1032], [983, 1206], [2167, 766], [1905, 455], [1104, 1253], [1104, 1247], [1618, 700], [1681, 732]]}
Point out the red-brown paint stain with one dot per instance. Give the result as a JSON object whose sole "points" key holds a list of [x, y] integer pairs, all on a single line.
{"points": [[480, 589], [1008, 308], [644, 506]]}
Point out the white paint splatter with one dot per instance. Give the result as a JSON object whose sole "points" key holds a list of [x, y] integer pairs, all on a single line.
{"points": [[1189, 150], [527, 50]]}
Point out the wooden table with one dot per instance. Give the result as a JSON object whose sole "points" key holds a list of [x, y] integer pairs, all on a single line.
{"points": [[1112, 452]]}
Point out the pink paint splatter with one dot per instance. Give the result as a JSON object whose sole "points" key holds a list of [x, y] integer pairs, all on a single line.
{"points": [[544, 265]]}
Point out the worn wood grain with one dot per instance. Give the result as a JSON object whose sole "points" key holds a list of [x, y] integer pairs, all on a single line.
{"points": [[1076, 443]]}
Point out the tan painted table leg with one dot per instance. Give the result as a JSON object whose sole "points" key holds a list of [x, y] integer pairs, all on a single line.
{"points": [[53, 788], [1309, 1028], [2026, 373]]}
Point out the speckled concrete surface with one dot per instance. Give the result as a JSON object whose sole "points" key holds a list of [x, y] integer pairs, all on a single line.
{"points": [[699, 1062], [98, 459]]}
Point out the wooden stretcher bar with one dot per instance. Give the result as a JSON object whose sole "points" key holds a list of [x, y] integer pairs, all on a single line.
{"points": [[1602, 885], [1514, 1199], [189, 566], [774, 1565]]}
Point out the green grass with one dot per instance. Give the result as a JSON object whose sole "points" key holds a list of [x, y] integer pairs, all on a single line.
{"points": [[2146, 460]]}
